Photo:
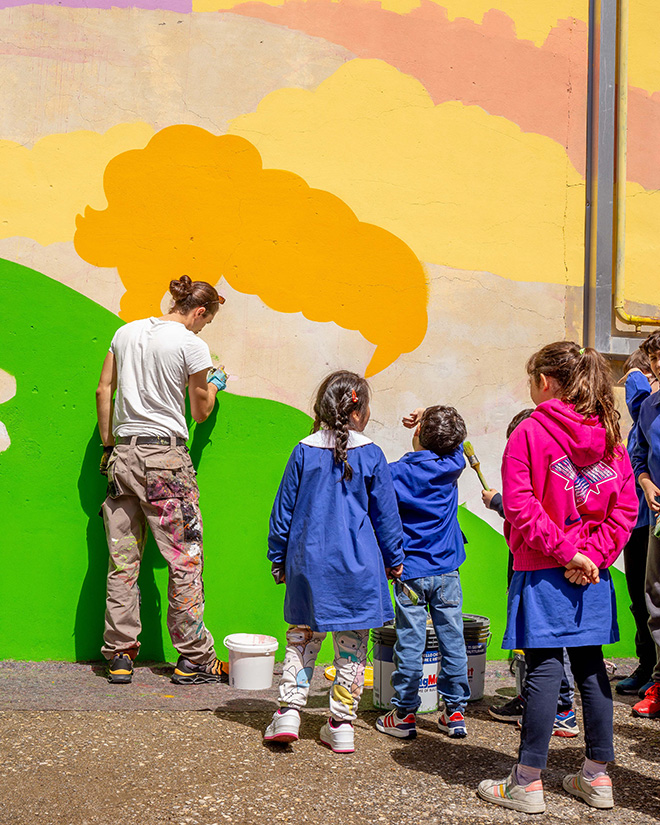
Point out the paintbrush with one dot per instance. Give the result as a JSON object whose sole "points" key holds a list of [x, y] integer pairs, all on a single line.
{"points": [[410, 593], [473, 461]]}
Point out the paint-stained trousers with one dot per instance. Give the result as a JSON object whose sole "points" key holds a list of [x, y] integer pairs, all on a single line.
{"points": [[302, 648], [154, 485]]}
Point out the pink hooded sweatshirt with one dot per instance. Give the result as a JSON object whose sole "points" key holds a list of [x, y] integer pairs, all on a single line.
{"points": [[561, 495]]}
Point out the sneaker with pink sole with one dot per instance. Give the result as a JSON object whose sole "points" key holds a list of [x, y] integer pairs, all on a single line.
{"points": [[595, 792], [338, 736], [284, 727]]}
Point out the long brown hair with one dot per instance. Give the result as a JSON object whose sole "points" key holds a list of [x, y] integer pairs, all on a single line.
{"points": [[638, 360], [189, 295], [585, 382], [340, 394]]}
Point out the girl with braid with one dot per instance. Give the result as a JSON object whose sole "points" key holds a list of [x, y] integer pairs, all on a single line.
{"points": [[335, 537]]}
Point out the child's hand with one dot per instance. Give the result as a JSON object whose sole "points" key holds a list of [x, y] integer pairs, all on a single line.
{"points": [[411, 420], [394, 572], [581, 570], [487, 496], [650, 492], [277, 572]]}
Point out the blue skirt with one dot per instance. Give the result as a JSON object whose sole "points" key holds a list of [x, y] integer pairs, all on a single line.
{"points": [[546, 610]]}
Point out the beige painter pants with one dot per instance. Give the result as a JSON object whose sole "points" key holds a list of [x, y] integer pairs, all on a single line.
{"points": [[155, 485]]}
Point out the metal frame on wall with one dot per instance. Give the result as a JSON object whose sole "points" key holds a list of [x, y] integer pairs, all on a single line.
{"points": [[604, 303]]}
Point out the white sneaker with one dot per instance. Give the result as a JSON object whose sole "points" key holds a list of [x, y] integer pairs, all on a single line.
{"points": [[509, 794], [284, 727], [340, 739], [597, 792]]}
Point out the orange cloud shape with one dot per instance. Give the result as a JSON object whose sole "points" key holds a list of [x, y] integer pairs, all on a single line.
{"points": [[195, 203]]}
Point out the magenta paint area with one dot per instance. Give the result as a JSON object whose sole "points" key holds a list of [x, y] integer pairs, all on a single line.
{"points": [[181, 6]]}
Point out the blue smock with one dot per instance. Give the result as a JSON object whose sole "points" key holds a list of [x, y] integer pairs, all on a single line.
{"points": [[426, 486], [336, 537], [638, 390]]}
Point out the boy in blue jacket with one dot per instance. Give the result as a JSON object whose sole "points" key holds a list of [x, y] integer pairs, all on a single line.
{"points": [[426, 485], [646, 464]]}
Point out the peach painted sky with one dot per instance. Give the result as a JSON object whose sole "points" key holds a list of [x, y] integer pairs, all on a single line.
{"points": [[542, 89]]}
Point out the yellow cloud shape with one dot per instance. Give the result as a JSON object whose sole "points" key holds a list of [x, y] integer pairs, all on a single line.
{"points": [[461, 187], [195, 203], [44, 188], [642, 249]]}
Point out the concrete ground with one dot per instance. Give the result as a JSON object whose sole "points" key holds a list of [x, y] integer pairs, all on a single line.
{"points": [[78, 751]]}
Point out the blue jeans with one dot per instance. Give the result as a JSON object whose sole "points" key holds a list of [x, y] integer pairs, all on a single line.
{"points": [[443, 598]]}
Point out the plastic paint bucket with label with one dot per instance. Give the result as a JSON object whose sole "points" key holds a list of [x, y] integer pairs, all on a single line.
{"points": [[383, 639], [476, 631]]}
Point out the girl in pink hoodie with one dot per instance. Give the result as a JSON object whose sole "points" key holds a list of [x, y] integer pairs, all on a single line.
{"points": [[570, 505]]}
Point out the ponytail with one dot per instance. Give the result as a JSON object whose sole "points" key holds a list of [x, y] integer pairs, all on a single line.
{"points": [[340, 394], [585, 382]]}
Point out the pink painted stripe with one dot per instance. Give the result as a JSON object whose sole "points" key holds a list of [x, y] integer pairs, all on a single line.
{"points": [[181, 6]]}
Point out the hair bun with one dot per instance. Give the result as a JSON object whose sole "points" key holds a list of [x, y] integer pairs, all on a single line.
{"points": [[182, 288]]}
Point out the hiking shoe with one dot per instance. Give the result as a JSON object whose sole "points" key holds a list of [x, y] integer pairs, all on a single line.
{"points": [[649, 707], [403, 727], [284, 727], [511, 712], [565, 724], [595, 792], [631, 684], [452, 724], [187, 673], [509, 794], [120, 670], [338, 736]]}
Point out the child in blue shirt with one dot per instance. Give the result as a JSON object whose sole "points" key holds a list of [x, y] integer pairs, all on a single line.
{"points": [[640, 383], [335, 536], [426, 485], [646, 464]]}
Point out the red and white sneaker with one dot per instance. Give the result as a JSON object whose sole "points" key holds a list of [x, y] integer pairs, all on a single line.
{"points": [[452, 724], [403, 727], [595, 792], [338, 736], [649, 707], [284, 727]]}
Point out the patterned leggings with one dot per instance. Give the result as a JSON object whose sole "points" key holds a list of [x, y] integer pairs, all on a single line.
{"points": [[302, 648]]}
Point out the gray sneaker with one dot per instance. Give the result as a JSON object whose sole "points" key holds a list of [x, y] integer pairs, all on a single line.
{"points": [[596, 792], [509, 794]]}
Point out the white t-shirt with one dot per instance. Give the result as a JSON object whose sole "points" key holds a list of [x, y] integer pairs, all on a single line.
{"points": [[154, 359]]}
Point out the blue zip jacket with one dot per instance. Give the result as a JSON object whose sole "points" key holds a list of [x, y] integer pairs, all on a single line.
{"points": [[638, 390], [426, 488], [335, 538], [646, 453]]}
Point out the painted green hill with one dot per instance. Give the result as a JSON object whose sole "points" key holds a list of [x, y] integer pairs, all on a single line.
{"points": [[53, 340]]}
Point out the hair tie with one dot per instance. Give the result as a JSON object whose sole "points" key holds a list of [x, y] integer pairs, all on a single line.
{"points": [[354, 397], [582, 351]]}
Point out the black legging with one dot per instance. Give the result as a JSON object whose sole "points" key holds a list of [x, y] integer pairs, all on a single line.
{"points": [[634, 556], [544, 674]]}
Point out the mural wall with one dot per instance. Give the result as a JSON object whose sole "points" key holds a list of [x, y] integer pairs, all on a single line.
{"points": [[395, 187]]}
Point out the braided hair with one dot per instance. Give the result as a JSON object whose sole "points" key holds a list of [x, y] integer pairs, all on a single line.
{"points": [[340, 394]]}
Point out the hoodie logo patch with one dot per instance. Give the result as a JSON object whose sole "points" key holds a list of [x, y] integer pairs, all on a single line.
{"points": [[583, 480]]}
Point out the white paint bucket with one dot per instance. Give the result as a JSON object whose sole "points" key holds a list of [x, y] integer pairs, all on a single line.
{"points": [[476, 631], [383, 639], [251, 660]]}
